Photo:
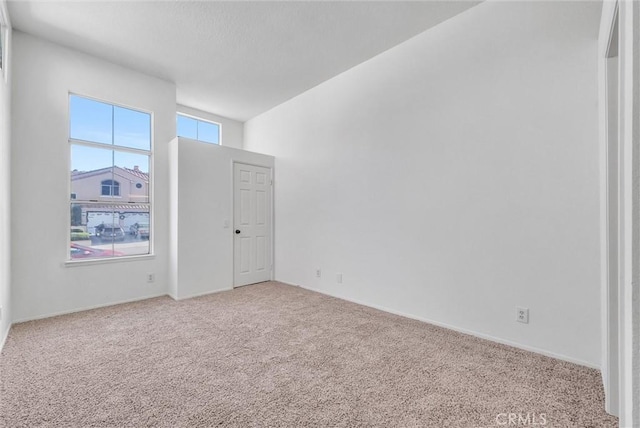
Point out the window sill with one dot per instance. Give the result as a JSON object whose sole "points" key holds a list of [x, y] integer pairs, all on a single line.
{"points": [[88, 262]]}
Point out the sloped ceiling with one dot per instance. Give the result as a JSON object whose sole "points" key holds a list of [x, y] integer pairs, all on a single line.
{"points": [[235, 59]]}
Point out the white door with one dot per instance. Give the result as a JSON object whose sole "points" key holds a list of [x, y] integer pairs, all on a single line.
{"points": [[252, 224]]}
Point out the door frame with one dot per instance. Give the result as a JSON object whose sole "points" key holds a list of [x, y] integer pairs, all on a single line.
{"points": [[610, 355], [627, 352], [232, 228]]}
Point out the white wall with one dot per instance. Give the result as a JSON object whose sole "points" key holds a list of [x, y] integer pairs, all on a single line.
{"points": [[5, 189], [202, 200], [44, 74], [453, 177], [231, 131]]}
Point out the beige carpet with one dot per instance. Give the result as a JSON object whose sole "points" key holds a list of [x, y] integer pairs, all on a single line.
{"points": [[276, 355]]}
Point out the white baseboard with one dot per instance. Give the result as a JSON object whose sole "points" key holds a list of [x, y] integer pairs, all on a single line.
{"points": [[88, 308], [120, 302], [4, 337], [460, 330], [206, 293]]}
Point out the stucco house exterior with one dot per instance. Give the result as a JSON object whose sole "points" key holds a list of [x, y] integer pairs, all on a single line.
{"points": [[115, 195]]}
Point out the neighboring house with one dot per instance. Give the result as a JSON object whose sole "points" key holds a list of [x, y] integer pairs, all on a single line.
{"points": [[111, 195]]}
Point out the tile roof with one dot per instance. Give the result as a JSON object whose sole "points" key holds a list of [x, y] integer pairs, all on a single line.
{"points": [[115, 208], [135, 172]]}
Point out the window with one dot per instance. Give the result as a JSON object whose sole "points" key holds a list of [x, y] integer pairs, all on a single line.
{"points": [[197, 129], [110, 188], [110, 149]]}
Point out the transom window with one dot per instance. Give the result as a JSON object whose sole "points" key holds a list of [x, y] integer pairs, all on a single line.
{"points": [[198, 129], [110, 149]]}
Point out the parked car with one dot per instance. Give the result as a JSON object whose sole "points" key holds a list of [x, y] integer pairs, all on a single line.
{"points": [[140, 230], [79, 234], [81, 252], [110, 232]]}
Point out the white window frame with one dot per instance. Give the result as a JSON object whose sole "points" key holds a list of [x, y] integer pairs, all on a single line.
{"points": [[200, 119], [150, 153]]}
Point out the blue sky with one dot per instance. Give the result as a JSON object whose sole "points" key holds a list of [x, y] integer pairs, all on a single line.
{"points": [[110, 125], [84, 158]]}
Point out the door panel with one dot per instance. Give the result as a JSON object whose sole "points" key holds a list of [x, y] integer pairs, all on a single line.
{"points": [[245, 207], [261, 253], [261, 208], [252, 224], [245, 255]]}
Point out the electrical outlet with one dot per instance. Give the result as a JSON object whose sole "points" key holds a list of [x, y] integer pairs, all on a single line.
{"points": [[522, 315], [339, 278], [318, 273], [151, 277], [0, 312]]}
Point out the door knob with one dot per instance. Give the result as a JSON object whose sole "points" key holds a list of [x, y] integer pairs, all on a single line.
{"points": [[237, 231]]}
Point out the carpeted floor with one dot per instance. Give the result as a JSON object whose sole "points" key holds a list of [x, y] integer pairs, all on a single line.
{"points": [[276, 355]]}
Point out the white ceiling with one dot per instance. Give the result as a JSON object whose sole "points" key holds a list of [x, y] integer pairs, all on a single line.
{"points": [[235, 59]]}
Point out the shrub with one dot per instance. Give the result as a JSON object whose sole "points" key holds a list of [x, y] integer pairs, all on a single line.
{"points": [[80, 236]]}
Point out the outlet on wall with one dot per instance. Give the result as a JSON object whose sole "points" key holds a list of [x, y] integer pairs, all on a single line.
{"points": [[151, 277], [318, 273], [339, 278], [522, 315]]}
